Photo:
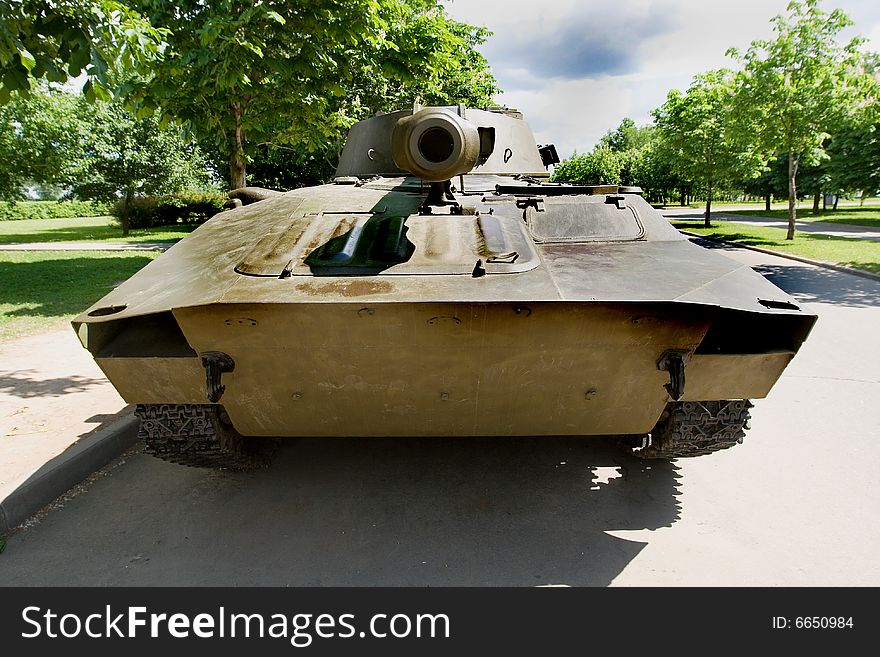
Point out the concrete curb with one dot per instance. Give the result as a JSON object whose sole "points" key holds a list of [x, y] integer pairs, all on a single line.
{"points": [[66, 470], [808, 261]]}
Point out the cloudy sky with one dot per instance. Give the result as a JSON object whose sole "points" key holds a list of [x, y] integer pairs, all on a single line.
{"points": [[577, 67]]}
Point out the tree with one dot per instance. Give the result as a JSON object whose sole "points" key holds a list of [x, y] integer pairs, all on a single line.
{"points": [[125, 157], [854, 157], [627, 136], [652, 169], [285, 72], [428, 56], [40, 137], [62, 39], [386, 80], [854, 149], [793, 87], [695, 127], [772, 181]]}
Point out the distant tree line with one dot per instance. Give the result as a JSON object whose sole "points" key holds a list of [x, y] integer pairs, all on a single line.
{"points": [[801, 117]]}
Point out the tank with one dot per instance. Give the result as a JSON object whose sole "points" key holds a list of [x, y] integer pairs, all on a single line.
{"points": [[441, 286]]}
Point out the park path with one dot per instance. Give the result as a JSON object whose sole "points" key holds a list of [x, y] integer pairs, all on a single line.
{"points": [[850, 231], [51, 394]]}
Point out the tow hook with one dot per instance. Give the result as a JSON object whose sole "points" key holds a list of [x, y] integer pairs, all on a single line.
{"points": [[215, 364], [673, 361]]}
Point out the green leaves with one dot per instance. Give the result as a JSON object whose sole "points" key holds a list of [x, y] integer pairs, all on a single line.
{"points": [[59, 40], [798, 82], [795, 87], [27, 60], [301, 72], [601, 166]]}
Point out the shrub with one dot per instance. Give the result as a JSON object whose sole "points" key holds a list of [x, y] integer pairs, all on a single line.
{"points": [[199, 206], [601, 166], [186, 207], [50, 209]]}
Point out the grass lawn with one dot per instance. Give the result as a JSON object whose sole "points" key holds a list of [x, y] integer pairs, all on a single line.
{"points": [[866, 216], [85, 229], [861, 254], [41, 290]]}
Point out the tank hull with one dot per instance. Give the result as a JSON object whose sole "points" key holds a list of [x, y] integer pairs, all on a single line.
{"points": [[435, 369]]}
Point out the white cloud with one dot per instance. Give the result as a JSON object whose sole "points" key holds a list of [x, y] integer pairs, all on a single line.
{"points": [[640, 49]]}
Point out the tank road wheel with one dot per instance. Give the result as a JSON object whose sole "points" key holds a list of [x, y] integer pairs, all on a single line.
{"points": [[695, 428], [198, 435]]}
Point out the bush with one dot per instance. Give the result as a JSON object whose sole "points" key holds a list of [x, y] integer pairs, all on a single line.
{"points": [[51, 209], [601, 166], [186, 207]]}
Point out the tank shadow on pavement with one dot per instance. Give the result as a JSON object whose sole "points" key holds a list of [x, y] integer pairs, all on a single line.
{"points": [[358, 512], [822, 285]]}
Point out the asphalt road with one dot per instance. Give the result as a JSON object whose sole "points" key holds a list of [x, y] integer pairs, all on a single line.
{"points": [[796, 504]]}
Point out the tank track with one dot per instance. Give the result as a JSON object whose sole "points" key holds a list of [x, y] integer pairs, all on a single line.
{"points": [[696, 428], [198, 435]]}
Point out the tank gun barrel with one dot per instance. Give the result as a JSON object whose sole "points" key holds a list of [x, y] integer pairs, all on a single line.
{"points": [[436, 145]]}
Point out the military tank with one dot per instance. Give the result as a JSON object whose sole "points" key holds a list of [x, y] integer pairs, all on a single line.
{"points": [[441, 286]]}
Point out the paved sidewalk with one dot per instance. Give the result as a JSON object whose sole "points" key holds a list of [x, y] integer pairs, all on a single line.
{"points": [[850, 231], [52, 394], [88, 246]]}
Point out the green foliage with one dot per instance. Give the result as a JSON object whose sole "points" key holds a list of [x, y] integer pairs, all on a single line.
{"points": [[651, 168], [628, 136], [128, 157], [425, 55], [772, 181], [793, 88], [96, 150], [153, 211], [28, 210], [62, 39], [695, 129], [297, 74], [38, 136], [287, 168], [854, 148], [601, 166], [629, 155]]}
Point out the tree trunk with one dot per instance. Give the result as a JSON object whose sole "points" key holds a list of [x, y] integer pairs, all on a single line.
{"points": [[708, 215], [824, 202], [237, 174], [836, 199], [767, 202], [126, 210], [816, 203], [793, 159]]}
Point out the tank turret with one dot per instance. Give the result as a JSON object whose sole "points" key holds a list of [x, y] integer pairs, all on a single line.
{"points": [[439, 143]]}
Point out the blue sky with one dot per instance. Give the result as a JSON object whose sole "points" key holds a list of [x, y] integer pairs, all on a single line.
{"points": [[576, 68]]}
